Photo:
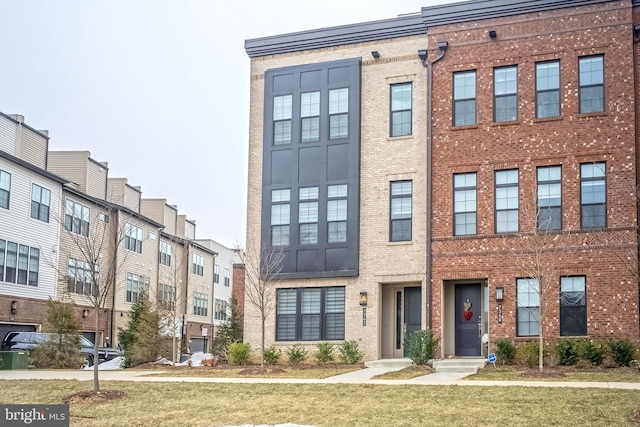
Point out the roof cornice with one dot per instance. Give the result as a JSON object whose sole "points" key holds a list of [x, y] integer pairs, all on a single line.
{"points": [[32, 167]]}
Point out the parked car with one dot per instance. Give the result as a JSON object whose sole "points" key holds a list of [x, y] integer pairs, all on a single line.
{"points": [[29, 340]]}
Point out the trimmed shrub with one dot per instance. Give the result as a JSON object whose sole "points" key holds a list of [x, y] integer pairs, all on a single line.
{"points": [[505, 351], [350, 353], [296, 354], [324, 354], [567, 351], [239, 353], [527, 354], [591, 352], [271, 355], [622, 351], [421, 346]]}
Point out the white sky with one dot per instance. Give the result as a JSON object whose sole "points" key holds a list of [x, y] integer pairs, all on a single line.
{"points": [[159, 89]]}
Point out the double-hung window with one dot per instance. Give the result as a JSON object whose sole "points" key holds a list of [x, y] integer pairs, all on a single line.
{"points": [[547, 89], [216, 273], [282, 109], [198, 265], [132, 238], [200, 304], [227, 277], [505, 94], [280, 217], [310, 314], [137, 286], [40, 202], [167, 296], [164, 256], [401, 207], [76, 218], [401, 109], [507, 201], [308, 215], [310, 116], [528, 307], [339, 113], [464, 98], [549, 198], [337, 213], [573, 306], [19, 263], [5, 189], [593, 195], [80, 279], [465, 203], [220, 310], [591, 84]]}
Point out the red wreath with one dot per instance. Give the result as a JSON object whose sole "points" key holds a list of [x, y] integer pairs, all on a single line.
{"points": [[467, 313]]}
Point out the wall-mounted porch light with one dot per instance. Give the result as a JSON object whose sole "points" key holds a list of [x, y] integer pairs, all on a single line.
{"points": [[499, 293], [363, 298], [85, 313], [14, 307]]}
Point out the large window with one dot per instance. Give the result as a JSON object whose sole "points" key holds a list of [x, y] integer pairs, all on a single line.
{"points": [[401, 109], [19, 263], [227, 277], [339, 113], [547, 89], [282, 108], [593, 192], [592, 84], [310, 314], [79, 277], [464, 98], [5, 189], [507, 201], [401, 201], [216, 273], [220, 310], [167, 296], [573, 306], [505, 94], [132, 238], [280, 217], [164, 256], [40, 202], [528, 307], [76, 218], [337, 213], [310, 116], [137, 286], [200, 304], [465, 203], [308, 216], [198, 265], [549, 198]]}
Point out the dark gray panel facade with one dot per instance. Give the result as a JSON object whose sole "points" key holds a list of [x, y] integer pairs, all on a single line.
{"points": [[327, 168]]}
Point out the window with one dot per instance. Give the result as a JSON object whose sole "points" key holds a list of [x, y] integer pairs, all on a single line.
{"points": [[573, 306], [337, 213], [76, 218], [401, 211], [308, 216], [198, 265], [40, 201], [152, 236], [547, 89], [220, 310], [280, 217], [549, 198], [103, 217], [401, 109], [593, 192], [5, 189], [310, 116], [282, 119], [310, 314], [464, 98], [79, 277], [164, 256], [591, 84], [528, 307], [465, 204], [200, 304], [167, 297], [216, 273], [339, 113], [505, 94], [507, 201], [137, 286], [132, 238], [227, 277], [19, 263]]}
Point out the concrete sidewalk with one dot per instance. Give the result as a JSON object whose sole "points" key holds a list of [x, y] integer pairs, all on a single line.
{"points": [[362, 376]]}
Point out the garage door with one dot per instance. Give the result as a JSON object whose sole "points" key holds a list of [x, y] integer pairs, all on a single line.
{"points": [[5, 328]]}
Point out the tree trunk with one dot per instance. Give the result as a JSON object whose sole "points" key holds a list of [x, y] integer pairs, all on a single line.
{"points": [[540, 350], [262, 344], [96, 380]]}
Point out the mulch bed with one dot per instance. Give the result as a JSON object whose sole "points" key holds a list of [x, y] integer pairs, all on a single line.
{"points": [[94, 396], [248, 369]]}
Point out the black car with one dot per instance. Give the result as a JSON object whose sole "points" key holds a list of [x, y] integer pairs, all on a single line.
{"points": [[29, 340]]}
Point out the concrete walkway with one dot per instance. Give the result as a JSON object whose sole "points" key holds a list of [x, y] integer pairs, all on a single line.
{"points": [[362, 376]]}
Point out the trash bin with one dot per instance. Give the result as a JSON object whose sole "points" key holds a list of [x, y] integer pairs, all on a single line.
{"points": [[14, 360], [184, 357]]}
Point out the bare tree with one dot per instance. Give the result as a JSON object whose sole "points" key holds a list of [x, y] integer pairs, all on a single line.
{"points": [[263, 264]]}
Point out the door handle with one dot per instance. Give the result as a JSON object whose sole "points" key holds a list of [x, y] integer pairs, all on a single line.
{"points": [[479, 326], [404, 328]]}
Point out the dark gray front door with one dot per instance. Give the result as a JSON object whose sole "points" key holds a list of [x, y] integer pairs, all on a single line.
{"points": [[468, 310], [412, 310]]}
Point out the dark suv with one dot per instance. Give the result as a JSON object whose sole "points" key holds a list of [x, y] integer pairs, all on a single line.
{"points": [[29, 340]]}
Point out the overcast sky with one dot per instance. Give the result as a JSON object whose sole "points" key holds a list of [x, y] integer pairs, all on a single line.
{"points": [[158, 89]]}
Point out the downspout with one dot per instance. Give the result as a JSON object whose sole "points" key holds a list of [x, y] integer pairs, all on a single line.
{"points": [[429, 66]]}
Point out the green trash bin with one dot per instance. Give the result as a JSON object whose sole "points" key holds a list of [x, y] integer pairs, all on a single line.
{"points": [[14, 359]]}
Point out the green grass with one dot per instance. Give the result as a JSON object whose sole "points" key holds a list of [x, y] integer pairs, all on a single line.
{"points": [[516, 373], [214, 404]]}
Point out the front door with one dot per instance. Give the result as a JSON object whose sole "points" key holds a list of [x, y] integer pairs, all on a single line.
{"points": [[412, 311], [468, 319], [401, 314]]}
